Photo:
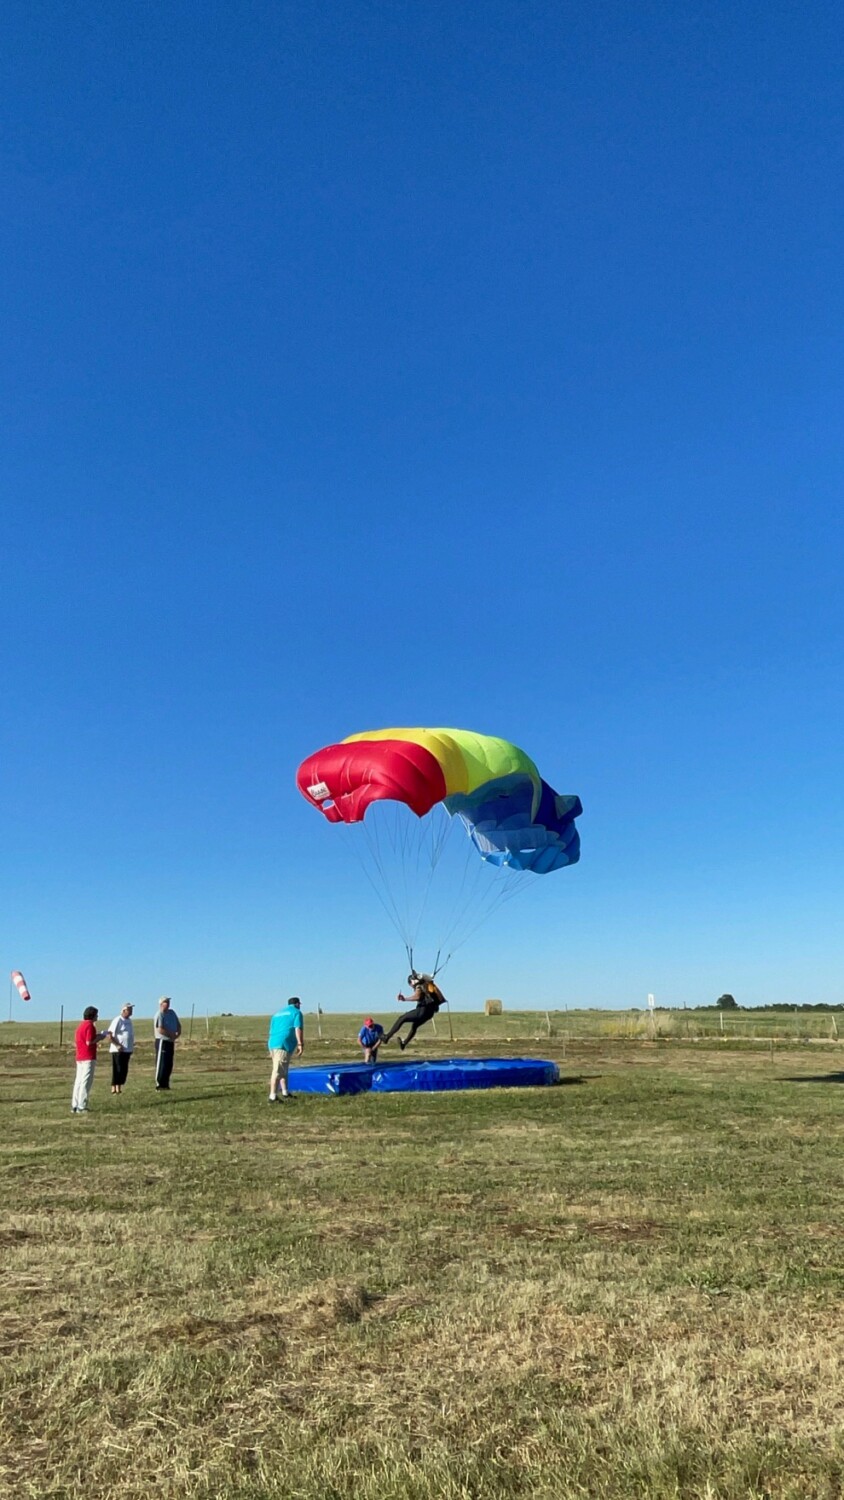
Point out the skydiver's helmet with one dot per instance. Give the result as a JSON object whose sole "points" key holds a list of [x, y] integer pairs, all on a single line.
{"points": [[413, 979]]}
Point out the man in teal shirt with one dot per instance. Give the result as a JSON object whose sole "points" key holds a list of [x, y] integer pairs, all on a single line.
{"points": [[285, 1038]]}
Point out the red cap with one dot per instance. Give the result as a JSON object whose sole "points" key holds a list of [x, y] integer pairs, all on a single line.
{"points": [[369, 1021]]}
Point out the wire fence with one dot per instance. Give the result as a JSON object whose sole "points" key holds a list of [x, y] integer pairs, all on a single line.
{"points": [[326, 1028]]}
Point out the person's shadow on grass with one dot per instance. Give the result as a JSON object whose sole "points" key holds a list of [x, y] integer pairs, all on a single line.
{"points": [[814, 1078]]}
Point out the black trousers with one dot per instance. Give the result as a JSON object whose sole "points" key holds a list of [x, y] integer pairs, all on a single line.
{"points": [[414, 1019], [164, 1053], [119, 1068]]}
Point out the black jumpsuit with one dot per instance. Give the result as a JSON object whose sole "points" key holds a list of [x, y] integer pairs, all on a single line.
{"points": [[423, 1010]]}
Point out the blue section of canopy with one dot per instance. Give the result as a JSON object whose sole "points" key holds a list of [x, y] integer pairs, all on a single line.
{"points": [[425, 1076], [508, 826]]}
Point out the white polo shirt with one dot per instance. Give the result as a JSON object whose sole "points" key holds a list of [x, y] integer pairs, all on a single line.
{"points": [[123, 1032]]}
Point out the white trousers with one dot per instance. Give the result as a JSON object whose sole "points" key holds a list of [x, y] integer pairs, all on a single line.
{"points": [[82, 1086]]}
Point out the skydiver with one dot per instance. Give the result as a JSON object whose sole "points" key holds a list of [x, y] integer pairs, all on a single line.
{"points": [[426, 999]]}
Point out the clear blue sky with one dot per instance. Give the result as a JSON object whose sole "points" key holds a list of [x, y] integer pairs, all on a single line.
{"points": [[472, 364]]}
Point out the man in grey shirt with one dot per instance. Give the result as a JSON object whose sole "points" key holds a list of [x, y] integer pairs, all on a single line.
{"points": [[167, 1032]]}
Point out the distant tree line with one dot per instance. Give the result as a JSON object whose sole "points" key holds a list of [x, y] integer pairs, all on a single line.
{"points": [[783, 1007]]}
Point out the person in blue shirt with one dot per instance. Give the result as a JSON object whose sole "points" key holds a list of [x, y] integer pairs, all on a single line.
{"points": [[369, 1037], [286, 1038]]}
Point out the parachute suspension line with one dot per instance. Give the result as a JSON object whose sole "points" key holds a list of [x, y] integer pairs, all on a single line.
{"points": [[394, 838], [399, 897], [402, 858], [388, 905], [483, 889], [416, 849], [389, 840], [384, 889], [405, 841], [466, 894], [440, 829], [518, 882], [401, 837], [398, 840], [437, 842]]}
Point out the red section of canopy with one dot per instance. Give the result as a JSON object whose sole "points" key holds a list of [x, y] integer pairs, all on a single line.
{"points": [[342, 780]]}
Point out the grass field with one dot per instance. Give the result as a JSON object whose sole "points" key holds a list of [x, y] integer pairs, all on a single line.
{"points": [[628, 1285]]}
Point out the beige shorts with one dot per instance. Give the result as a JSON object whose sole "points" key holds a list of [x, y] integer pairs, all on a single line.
{"points": [[281, 1062]]}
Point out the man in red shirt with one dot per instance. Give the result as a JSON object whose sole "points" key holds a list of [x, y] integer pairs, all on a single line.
{"points": [[87, 1037]]}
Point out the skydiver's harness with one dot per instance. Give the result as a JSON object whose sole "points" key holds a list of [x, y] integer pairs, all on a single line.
{"points": [[433, 996]]}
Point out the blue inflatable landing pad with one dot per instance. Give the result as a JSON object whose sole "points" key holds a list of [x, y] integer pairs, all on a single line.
{"points": [[421, 1077], [335, 1078]]}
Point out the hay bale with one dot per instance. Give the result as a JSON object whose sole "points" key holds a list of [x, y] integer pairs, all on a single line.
{"points": [[493, 1007]]}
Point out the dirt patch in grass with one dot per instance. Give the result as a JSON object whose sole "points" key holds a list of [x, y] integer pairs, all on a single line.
{"points": [[620, 1230], [318, 1311], [10, 1237], [15, 1334], [352, 1234], [615, 1230], [823, 1231], [534, 1231], [226, 1333], [326, 1306]]}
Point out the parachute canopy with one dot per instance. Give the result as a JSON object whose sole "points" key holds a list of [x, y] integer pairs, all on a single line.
{"points": [[512, 815]]}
